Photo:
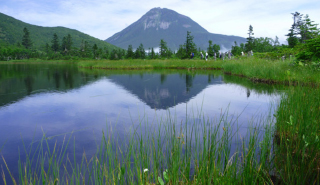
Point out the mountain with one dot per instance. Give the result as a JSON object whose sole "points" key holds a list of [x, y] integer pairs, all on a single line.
{"points": [[11, 31], [171, 26]]}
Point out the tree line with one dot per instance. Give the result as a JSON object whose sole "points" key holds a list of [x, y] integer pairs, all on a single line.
{"points": [[302, 32]]}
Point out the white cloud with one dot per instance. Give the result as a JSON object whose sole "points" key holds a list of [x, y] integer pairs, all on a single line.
{"points": [[102, 18]]}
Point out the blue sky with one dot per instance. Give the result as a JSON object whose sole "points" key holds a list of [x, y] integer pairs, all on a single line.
{"points": [[103, 18]]}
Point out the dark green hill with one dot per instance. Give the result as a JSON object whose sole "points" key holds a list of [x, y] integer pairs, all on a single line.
{"points": [[11, 31], [171, 26]]}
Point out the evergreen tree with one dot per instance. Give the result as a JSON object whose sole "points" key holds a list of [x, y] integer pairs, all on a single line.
{"points": [[64, 44], [26, 41], [69, 42], [152, 55], [210, 49], [307, 29], [190, 45], [47, 48], [95, 50], [294, 31], [130, 53], [181, 52], [250, 40], [114, 55], [163, 50], [55, 43], [140, 52]]}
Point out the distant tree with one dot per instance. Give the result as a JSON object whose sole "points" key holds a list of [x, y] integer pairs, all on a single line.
{"points": [[216, 48], [250, 40], [294, 31], [114, 55], [152, 54], [276, 42], [190, 45], [69, 42], [26, 40], [187, 48], [163, 50], [307, 29], [236, 50], [85, 49], [263, 44], [122, 53], [140, 52], [181, 53], [130, 53], [47, 48], [210, 49], [95, 50], [64, 45], [55, 43]]}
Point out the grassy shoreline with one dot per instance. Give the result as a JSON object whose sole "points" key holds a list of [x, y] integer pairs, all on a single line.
{"points": [[257, 70]]}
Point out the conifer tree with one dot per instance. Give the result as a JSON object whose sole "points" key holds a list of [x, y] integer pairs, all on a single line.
{"points": [[55, 43], [26, 41], [250, 40], [190, 46], [163, 49], [210, 49], [152, 56], [130, 53]]}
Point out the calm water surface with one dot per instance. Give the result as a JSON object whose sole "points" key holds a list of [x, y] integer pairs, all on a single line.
{"points": [[57, 99]]}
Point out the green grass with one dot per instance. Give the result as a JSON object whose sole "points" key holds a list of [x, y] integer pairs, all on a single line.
{"points": [[197, 152], [151, 64], [297, 136], [259, 70]]}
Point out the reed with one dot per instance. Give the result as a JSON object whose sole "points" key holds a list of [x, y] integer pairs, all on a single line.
{"points": [[297, 145], [197, 151]]}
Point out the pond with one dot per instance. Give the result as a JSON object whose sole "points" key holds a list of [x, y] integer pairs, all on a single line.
{"points": [[59, 100]]}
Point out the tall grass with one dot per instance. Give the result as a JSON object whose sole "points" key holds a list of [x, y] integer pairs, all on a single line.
{"points": [[257, 69], [297, 136], [197, 151]]}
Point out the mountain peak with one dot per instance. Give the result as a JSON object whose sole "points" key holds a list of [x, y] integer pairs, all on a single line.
{"points": [[162, 23]]}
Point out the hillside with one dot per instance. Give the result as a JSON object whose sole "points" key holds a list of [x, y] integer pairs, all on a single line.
{"points": [[11, 31], [171, 26]]}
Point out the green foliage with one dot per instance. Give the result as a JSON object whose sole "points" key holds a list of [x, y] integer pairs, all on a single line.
{"points": [[190, 46], [140, 52], [11, 33], [163, 49], [250, 40], [301, 30], [216, 48], [310, 50], [55, 43], [210, 49], [263, 44], [152, 54], [130, 53], [236, 50], [26, 40]]}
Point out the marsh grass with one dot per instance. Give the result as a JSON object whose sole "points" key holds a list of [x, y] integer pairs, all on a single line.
{"points": [[273, 71], [256, 69], [152, 64], [297, 136], [198, 151]]}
